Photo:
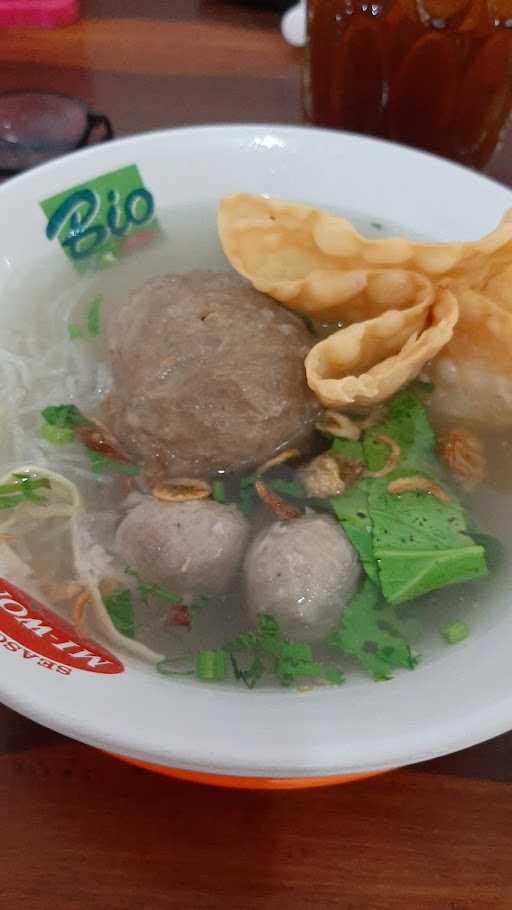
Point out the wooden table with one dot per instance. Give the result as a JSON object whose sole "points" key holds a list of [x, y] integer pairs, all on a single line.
{"points": [[81, 830]]}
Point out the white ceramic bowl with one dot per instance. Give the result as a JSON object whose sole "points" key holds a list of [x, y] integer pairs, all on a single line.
{"points": [[458, 696]]}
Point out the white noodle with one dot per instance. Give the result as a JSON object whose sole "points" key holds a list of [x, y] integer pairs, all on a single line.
{"points": [[70, 509]]}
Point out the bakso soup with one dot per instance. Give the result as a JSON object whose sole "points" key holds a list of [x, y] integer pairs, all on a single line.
{"points": [[277, 474]]}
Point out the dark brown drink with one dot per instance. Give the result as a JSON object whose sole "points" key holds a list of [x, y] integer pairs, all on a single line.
{"points": [[435, 74]]}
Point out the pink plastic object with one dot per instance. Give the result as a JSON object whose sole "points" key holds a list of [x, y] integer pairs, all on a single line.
{"points": [[46, 13]]}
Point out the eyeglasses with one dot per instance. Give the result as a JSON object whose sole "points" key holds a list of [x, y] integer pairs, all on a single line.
{"points": [[38, 126]]}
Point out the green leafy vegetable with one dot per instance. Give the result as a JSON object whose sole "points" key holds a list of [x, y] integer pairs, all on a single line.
{"points": [[59, 436], [74, 331], [120, 609], [93, 317], [22, 489], [351, 509], [455, 632], [348, 448], [65, 416], [411, 543], [420, 543], [369, 631], [101, 464], [211, 666], [219, 491], [407, 423]]}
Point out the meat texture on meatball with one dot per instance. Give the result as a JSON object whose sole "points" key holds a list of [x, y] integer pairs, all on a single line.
{"points": [[302, 572], [190, 547], [208, 374]]}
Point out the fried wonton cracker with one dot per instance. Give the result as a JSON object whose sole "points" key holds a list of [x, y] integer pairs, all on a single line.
{"points": [[301, 255], [365, 363]]}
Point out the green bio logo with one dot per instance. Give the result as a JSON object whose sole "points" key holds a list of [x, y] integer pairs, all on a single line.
{"points": [[103, 219]]}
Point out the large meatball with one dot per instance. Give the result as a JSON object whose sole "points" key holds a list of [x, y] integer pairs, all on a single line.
{"points": [[303, 572], [208, 374], [191, 547]]}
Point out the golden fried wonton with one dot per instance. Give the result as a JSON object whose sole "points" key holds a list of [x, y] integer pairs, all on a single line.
{"points": [[447, 306]]}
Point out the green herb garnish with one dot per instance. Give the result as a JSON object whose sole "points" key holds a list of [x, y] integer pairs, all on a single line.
{"points": [[74, 331], [455, 632], [219, 491], [22, 489], [377, 225], [101, 464], [93, 317], [267, 651], [65, 415], [58, 436], [369, 631], [120, 609]]}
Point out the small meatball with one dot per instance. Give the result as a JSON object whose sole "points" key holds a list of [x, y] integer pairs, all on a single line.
{"points": [[190, 547], [303, 573]]}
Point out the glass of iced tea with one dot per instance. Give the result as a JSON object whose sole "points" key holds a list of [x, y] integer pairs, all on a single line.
{"points": [[434, 74]]}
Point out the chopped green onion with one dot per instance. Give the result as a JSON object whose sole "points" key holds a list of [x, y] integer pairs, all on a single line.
{"points": [[93, 317], [455, 632], [377, 225], [211, 665], [219, 491], [74, 331], [100, 464], [176, 666], [120, 609], [22, 490], [59, 436]]}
